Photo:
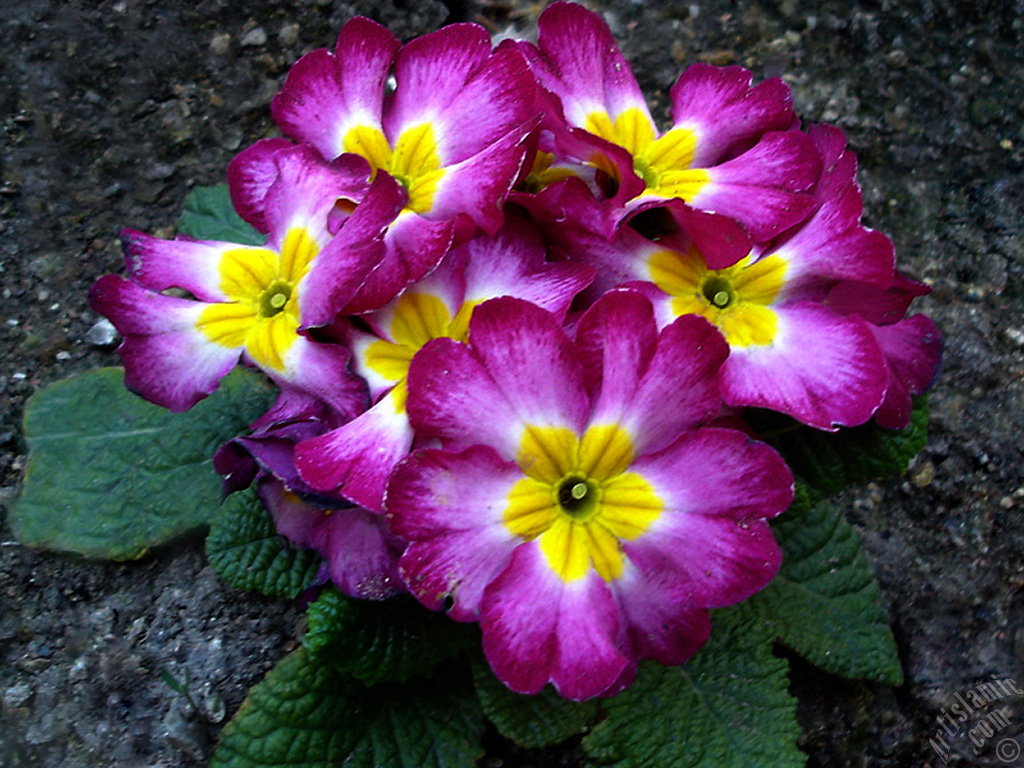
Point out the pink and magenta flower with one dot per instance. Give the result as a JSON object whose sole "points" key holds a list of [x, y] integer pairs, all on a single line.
{"points": [[360, 554], [356, 459], [730, 149], [790, 350], [452, 132], [577, 508], [252, 301]]}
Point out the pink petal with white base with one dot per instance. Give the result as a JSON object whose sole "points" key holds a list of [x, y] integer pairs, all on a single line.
{"points": [[326, 94], [307, 188], [167, 360], [720, 105], [413, 246], [450, 507], [821, 368], [539, 629], [353, 258], [518, 369], [512, 263], [585, 68], [192, 265], [323, 370], [638, 370], [762, 188], [471, 97], [250, 175], [356, 460], [478, 185], [663, 622]]}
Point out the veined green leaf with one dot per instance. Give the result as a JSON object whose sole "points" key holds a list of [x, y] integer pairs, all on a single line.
{"points": [[110, 475], [825, 603], [531, 721], [209, 215], [308, 715], [392, 640], [246, 551], [727, 707]]}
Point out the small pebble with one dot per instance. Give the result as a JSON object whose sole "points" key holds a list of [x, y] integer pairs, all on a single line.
{"points": [[289, 35], [79, 671], [220, 45], [254, 38], [102, 334], [17, 695]]}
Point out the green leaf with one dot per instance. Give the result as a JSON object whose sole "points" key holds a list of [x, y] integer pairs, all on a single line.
{"points": [[727, 707], [531, 721], [209, 215], [830, 461], [110, 475], [395, 639], [308, 715], [246, 551], [825, 603]]}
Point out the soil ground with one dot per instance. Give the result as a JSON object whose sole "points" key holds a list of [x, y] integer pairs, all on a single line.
{"points": [[109, 113]]}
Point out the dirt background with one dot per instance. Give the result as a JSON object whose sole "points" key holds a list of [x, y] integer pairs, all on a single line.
{"points": [[111, 111]]}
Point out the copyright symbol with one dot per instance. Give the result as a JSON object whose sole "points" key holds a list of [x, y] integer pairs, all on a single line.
{"points": [[1007, 750]]}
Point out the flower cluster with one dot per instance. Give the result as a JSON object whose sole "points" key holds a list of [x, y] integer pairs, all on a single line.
{"points": [[515, 326]]}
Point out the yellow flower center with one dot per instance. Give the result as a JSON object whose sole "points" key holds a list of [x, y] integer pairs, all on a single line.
{"points": [[663, 162], [263, 312], [579, 500], [416, 319], [736, 299], [414, 161]]}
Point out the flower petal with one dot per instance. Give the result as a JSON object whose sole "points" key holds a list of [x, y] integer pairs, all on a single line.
{"points": [[413, 245], [663, 622], [721, 107], [326, 94], [518, 368], [762, 188], [585, 67], [639, 370], [539, 629], [167, 359], [450, 507], [356, 459], [192, 265], [912, 349], [360, 555], [472, 97], [339, 275], [821, 368]]}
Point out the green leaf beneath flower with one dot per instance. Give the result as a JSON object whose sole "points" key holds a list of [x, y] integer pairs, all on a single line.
{"points": [[307, 715], [110, 475], [392, 640], [531, 721], [209, 215], [828, 462], [727, 707], [246, 551], [825, 603]]}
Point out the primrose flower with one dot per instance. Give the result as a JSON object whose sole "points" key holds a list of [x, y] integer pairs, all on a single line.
{"points": [[251, 301], [575, 508], [451, 132], [360, 555], [790, 351], [730, 149], [356, 459], [912, 346]]}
